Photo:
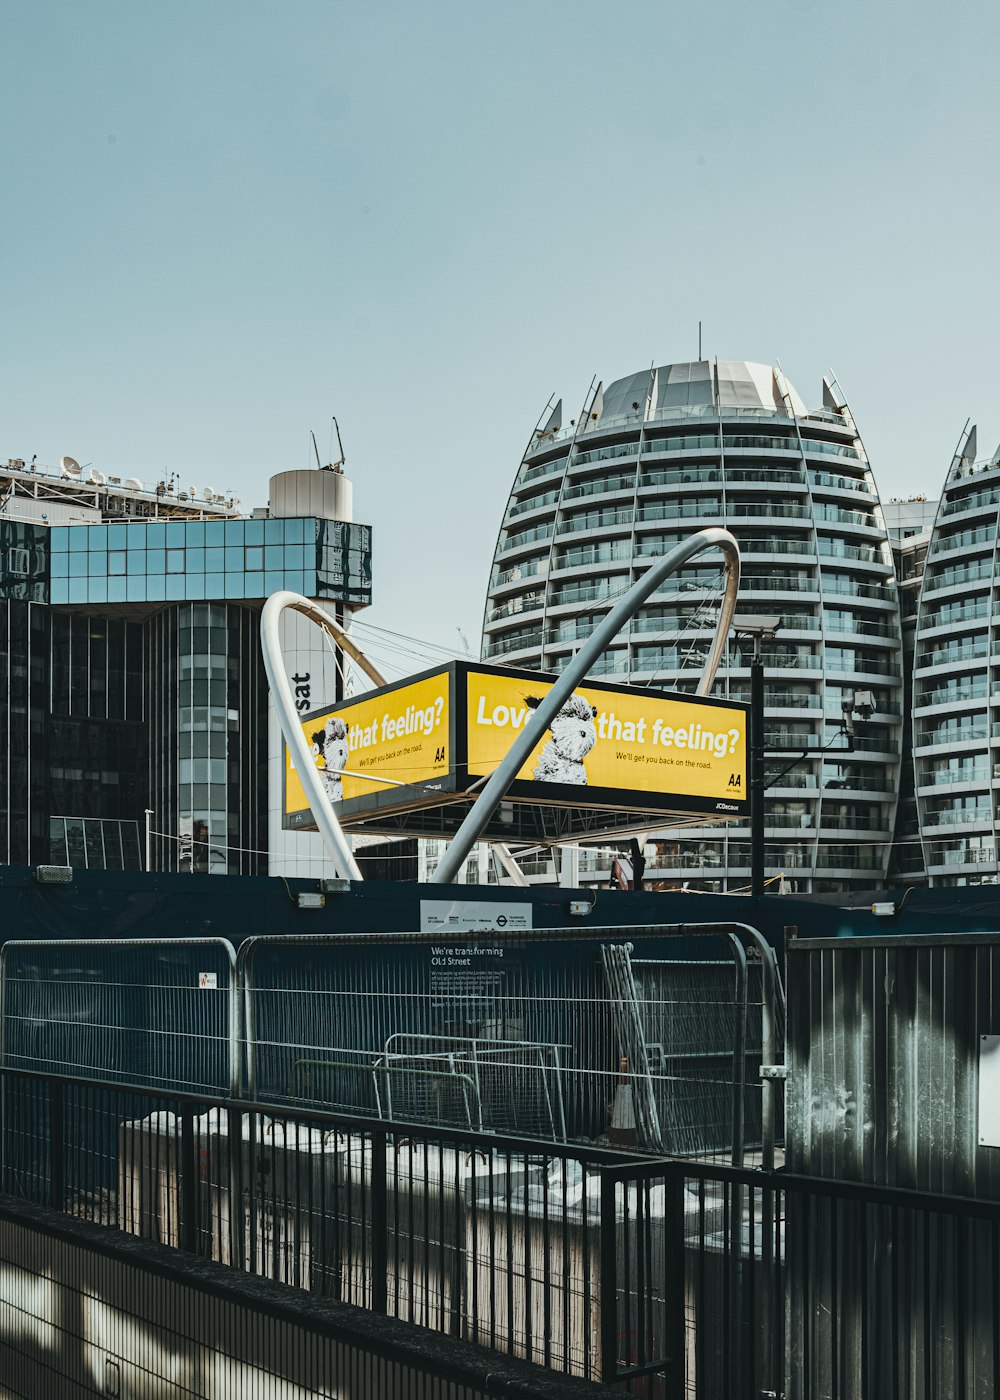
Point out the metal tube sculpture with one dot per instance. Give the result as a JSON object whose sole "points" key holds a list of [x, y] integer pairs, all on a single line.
{"points": [[288, 717], [606, 630], [489, 799]]}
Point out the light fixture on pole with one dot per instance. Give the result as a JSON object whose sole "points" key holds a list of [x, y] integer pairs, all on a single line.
{"points": [[862, 704], [758, 630]]}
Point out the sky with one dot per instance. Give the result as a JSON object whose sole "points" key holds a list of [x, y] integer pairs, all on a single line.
{"points": [[225, 223]]}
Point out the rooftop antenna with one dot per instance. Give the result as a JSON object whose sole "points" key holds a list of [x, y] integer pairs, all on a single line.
{"points": [[699, 340], [338, 465]]}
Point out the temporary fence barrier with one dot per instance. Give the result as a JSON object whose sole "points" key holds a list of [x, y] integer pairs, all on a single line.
{"points": [[649, 1038], [672, 1277], [158, 1012], [534, 1034]]}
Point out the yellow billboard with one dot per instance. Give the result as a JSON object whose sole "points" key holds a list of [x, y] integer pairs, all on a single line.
{"points": [[628, 739], [390, 738], [408, 758]]}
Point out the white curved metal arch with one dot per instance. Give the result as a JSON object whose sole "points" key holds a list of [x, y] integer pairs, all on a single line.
{"points": [[606, 630], [288, 717]]}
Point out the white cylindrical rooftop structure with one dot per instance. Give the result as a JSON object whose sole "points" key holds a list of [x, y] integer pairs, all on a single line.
{"points": [[324, 494]]}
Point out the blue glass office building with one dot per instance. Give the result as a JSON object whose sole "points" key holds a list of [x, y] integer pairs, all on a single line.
{"points": [[199, 560], [129, 633]]}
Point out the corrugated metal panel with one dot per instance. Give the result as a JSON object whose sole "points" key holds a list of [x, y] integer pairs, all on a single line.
{"points": [[882, 1054]]}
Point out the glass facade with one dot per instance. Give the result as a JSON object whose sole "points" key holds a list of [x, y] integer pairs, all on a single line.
{"points": [[90, 843], [24, 731], [131, 679], [24, 561], [195, 560], [956, 677], [586, 516]]}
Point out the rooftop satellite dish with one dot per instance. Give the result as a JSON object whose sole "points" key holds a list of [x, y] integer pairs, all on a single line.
{"points": [[208, 493], [96, 477], [69, 466], [133, 483]]}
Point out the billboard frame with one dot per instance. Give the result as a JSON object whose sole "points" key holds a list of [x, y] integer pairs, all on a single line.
{"points": [[565, 813]]}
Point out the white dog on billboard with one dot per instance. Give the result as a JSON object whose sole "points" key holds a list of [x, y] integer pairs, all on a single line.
{"points": [[329, 744], [574, 734]]}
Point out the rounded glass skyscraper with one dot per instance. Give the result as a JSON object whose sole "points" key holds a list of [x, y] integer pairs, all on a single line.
{"points": [[656, 456], [956, 663]]}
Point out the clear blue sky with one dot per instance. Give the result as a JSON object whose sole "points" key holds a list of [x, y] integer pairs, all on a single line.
{"points": [[225, 222]]}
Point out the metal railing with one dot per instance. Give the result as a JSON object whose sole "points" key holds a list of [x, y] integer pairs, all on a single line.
{"points": [[674, 1278]]}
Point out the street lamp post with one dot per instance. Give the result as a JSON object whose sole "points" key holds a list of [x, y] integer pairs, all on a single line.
{"points": [[861, 704], [758, 629]]}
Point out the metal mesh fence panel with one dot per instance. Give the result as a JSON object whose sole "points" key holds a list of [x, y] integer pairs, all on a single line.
{"points": [[652, 1043], [140, 1012]]}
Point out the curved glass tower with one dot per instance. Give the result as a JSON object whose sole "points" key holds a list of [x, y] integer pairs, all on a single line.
{"points": [[956, 664], [667, 451]]}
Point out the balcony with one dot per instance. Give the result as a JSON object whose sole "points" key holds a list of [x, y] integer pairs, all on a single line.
{"points": [[964, 816], [518, 541], [829, 548], [599, 487], [958, 574], [976, 500], [679, 476], [946, 777], [861, 665], [681, 510], [738, 510], [515, 642], [950, 695], [877, 592], [532, 503], [606, 454], [517, 573], [855, 519], [966, 539], [594, 520], [540, 469], [946, 656], [802, 547], [859, 628], [778, 583], [937, 738], [515, 607], [830, 481], [763, 475]]}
